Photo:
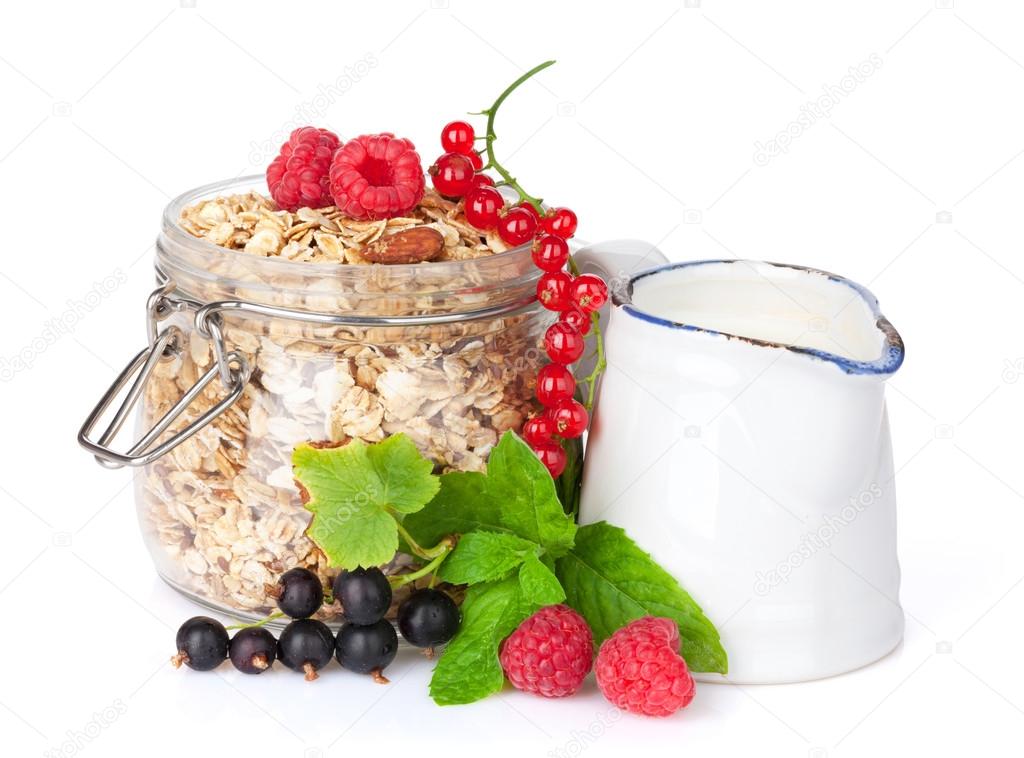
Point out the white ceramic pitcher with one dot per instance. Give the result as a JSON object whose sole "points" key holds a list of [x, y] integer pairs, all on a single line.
{"points": [[741, 436]]}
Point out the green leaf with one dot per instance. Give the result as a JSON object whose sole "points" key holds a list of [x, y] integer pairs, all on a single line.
{"points": [[485, 557], [354, 491], [611, 582], [517, 496], [538, 583], [469, 669]]}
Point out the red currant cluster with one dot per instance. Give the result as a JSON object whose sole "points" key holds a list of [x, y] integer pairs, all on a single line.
{"points": [[458, 173]]}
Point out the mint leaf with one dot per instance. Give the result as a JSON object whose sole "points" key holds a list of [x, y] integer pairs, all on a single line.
{"points": [[485, 557], [538, 583], [469, 669], [517, 496], [353, 492], [611, 582]]}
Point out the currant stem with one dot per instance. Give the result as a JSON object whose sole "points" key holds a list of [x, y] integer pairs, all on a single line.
{"points": [[403, 579], [490, 136], [602, 363], [261, 622], [427, 554]]}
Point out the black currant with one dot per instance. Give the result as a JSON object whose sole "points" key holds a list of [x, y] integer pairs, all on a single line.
{"points": [[252, 650], [367, 649], [299, 593], [365, 595], [306, 645], [202, 644], [428, 617]]}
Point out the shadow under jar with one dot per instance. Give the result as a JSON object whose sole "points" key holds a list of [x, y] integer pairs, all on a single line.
{"points": [[444, 352]]}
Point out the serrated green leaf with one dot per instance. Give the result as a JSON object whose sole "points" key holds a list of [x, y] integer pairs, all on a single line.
{"points": [[485, 557], [517, 496], [468, 669], [611, 582], [538, 583], [353, 491]]}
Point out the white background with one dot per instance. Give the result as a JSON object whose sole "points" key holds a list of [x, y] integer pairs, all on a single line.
{"points": [[647, 127]]}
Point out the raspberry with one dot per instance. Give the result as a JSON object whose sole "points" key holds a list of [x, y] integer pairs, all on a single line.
{"points": [[297, 177], [550, 654], [639, 668], [376, 176]]}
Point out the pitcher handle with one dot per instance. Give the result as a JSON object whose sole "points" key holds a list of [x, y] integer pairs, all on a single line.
{"points": [[617, 261]]}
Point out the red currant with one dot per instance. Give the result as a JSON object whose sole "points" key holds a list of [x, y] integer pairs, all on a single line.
{"points": [[577, 319], [554, 384], [482, 206], [550, 252], [589, 292], [539, 430], [552, 456], [483, 180], [452, 174], [476, 160], [516, 227], [529, 206], [457, 137], [570, 418], [563, 343], [553, 290], [560, 221]]}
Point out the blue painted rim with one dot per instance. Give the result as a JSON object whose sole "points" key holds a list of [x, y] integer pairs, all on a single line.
{"points": [[887, 363]]}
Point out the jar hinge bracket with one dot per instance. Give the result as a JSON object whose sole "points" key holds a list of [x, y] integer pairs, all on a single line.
{"points": [[164, 344]]}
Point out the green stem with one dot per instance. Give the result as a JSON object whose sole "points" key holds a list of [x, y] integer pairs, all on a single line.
{"points": [[602, 363], [403, 579], [426, 554], [490, 136], [599, 366], [261, 622]]}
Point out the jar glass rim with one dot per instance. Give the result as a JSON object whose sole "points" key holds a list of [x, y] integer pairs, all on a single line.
{"points": [[173, 232]]}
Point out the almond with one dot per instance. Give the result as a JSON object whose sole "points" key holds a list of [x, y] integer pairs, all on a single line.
{"points": [[415, 245]]}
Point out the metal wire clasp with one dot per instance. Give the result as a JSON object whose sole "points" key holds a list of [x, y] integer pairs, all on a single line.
{"points": [[232, 366]]}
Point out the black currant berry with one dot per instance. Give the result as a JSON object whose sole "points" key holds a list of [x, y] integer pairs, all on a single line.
{"points": [[252, 650], [367, 649], [202, 644], [428, 618], [299, 593], [306, 645], [365, 595]]}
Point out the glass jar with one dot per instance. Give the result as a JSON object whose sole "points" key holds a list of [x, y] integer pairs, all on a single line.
{"points": [[250, 355]]}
